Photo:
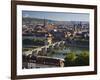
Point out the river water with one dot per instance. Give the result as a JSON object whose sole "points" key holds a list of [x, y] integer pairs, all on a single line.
{"points": [[63, 52]]}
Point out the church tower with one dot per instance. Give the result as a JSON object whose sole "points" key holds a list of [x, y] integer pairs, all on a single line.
{"points": [[49, 39], [44, 22]]}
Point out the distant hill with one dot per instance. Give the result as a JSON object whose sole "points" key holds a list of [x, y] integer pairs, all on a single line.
{"points": [[28, 20], [35, 20]]}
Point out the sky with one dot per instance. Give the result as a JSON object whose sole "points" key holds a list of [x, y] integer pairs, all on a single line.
{"points": [[58, 16]]}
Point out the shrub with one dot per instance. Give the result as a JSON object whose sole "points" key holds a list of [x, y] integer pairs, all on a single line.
{"points": [[70, 59], [81, 59]]}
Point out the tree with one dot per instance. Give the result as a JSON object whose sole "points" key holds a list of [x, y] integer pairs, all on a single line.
{"points": [[73, 59], [83, 58], [70, 59]]}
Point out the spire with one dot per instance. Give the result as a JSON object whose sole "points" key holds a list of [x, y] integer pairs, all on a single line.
{"points": [[44, 24]]}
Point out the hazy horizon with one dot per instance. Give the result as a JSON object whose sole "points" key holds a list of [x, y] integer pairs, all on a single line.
{"points": [[56, 16]]}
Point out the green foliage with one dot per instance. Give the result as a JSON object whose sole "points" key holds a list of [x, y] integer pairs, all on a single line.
{"points": [[70, 59], [83, 58], [27, 41], [73, 59], [38, 40], [33, 41], [71, 56]]}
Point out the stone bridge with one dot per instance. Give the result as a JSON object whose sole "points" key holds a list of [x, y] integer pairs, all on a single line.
{"points": [[43, 50]]}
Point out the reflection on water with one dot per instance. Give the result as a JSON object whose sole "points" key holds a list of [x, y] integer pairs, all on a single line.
{"points": [[61, 53]]}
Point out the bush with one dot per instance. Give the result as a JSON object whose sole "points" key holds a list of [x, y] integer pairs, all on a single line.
{"points": [[81, 59], [70, 59]]}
